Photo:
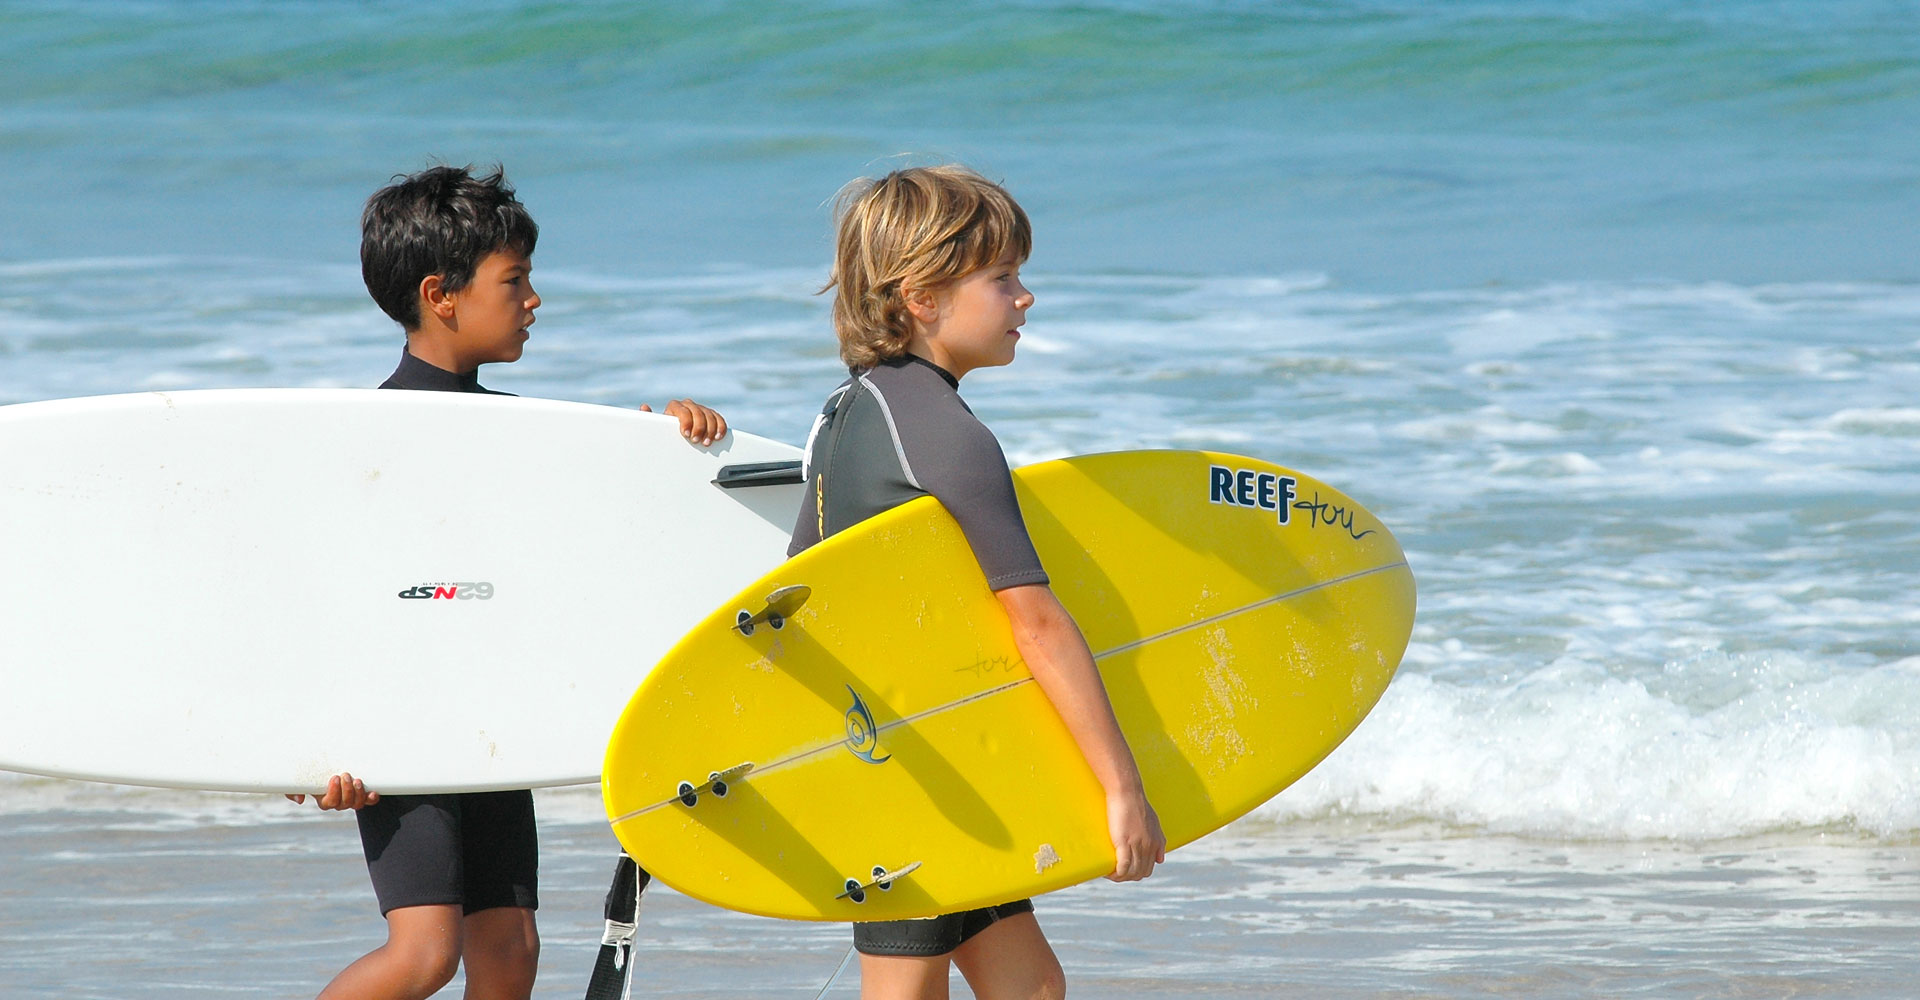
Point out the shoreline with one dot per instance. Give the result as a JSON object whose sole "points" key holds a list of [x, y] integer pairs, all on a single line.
{"points": [[1339, 908]]}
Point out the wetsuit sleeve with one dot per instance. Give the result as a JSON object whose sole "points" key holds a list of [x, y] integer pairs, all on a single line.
{"points": [[960, 463]]}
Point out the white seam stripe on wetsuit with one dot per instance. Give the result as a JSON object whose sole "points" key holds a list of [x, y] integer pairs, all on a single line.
{"points": [[899, 450]]}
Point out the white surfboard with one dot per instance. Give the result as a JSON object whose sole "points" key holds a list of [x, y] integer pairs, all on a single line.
{"points": [[252, 590]]}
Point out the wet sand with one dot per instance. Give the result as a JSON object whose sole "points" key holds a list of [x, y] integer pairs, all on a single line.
{"points": [[232, 896]]}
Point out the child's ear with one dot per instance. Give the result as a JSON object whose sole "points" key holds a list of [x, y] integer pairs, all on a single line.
{"points": [[921, 304], [436, 298]]}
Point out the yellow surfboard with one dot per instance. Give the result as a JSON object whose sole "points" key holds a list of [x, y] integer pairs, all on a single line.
{"points": [[856, 738]]}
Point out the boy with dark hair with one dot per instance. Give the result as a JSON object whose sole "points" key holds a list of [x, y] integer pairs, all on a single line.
{"points": [[449, 257], [927, 280]]}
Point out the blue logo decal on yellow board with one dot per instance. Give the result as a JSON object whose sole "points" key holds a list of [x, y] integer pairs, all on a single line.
{"points": [[1251, 488], [862, 738]]}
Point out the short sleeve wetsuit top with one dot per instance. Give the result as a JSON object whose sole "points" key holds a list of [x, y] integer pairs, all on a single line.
{"points": [[893, 433], [900, 431], [477, 850]]}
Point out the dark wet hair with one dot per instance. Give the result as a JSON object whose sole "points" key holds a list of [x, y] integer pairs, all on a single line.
{"points": [[444, 221]]}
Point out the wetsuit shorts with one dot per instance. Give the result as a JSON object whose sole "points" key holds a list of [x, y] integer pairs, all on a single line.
{"points": [[934, 936], [477, 850]]}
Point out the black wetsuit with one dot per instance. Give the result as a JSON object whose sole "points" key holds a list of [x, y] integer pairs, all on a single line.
{"points": [[414, 373], [887, 435], [477, 850]]}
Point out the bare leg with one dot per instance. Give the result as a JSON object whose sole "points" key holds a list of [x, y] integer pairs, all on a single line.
{"points": [[904, 977], [421, 955], [1011, 960], [502, 953]]}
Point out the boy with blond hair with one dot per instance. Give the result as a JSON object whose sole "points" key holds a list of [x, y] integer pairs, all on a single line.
{"points": [[927, 288]]}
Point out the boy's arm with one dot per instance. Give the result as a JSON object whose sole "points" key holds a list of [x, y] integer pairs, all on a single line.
{"points": [[1063, 666], [701, 425], [344, 791]]}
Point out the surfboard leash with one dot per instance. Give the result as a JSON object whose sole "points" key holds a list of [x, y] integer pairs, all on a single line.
{"points": [[613, 969], [844, 959]]}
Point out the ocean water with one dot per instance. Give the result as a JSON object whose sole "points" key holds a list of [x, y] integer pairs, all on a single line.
{"points": [[1610, 310]]}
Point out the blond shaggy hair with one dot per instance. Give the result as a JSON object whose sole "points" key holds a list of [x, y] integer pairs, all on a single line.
{"points": [[918, 229]]}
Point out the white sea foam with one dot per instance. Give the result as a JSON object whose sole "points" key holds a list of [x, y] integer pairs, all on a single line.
{"points": [[1721, 746], [1557, 466], [1891, 421], [1489, 423]]}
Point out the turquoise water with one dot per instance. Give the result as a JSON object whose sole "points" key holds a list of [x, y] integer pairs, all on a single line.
{"points": [[1610, 310], [1413, 144]]}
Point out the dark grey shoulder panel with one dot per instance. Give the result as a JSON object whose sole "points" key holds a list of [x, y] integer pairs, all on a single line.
{"points": [[953, 456]]}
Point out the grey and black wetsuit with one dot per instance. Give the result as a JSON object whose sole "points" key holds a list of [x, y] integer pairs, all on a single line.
{"points": [[887, 435], [477, 850], [900, 431]]}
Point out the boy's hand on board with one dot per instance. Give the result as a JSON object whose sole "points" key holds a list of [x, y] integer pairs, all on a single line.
{"points": [[701, 425], [344, 791], [1138, 843]]}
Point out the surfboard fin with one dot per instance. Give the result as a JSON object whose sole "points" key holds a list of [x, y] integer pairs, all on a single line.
{"points": [[882, 880], [689, 793], [781, 604]]}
